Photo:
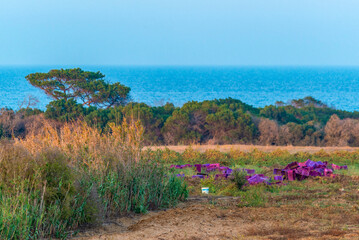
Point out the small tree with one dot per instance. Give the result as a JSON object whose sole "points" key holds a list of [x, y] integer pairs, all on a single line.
{"points": [[269, 132], [76, 84]]}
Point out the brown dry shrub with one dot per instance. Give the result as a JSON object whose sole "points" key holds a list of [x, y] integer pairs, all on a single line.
{"points": [[237, 154], [279, 153], [15, 163], [215, 156], [341, 132], [269, 132], [191, 156], [169, 155], [321, 154]]}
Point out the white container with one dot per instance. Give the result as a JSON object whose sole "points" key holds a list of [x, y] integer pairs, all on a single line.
{"points": [[205, 190]]}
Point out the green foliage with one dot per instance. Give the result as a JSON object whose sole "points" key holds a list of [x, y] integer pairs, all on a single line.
{"points": [[254, 196], [281, 114], [304, 110], [99, 118], [222, 121], [254, 159], [64, 111], [308, 102], [210, 183], [139, 188], [44, 196], [239, 177], [76, 84], [58, 178], [218, 187], [20, 217], [176, 130], [301, 122], [150, 119], [28, 112]]}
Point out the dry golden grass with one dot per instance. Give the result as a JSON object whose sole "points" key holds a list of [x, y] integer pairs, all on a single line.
{"points": [[249, 148], [87, 145]]}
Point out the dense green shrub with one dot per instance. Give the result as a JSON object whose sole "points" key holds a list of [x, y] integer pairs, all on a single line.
{"points": [[138, 188], [239, 177], [45, 195], [63, 110]]}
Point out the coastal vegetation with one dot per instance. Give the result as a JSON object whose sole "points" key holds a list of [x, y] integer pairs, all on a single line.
{"points": [[81, 95], [81, 161], [57, 180]]}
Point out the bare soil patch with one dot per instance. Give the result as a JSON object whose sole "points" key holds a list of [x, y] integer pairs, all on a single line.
{"points": [[220, 218]]}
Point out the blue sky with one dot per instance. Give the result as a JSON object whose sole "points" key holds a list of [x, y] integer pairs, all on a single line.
{"points": [[179, 32]]}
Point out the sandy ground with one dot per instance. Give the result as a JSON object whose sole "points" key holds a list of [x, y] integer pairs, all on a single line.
{"points": [[247, 148], [220, 218]]}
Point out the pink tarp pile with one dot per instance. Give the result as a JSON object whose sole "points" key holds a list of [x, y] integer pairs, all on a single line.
{"points": [[258, 178], [303, 170], [293, 171]]}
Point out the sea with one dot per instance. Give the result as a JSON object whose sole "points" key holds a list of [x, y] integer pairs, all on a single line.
{"points": [[259, 86]]}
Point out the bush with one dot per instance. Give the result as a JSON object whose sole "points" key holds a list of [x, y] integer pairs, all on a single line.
{"points": [[239, 177], [64, 111], [139, 187]]}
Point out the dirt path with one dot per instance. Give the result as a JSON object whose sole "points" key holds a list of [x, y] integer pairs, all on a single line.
{"points": [[248, 148], [220, 218]]}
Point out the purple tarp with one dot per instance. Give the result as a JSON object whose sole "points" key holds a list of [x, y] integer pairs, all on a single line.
{"points": [[299, 171], [293, 171], [258, 178]]}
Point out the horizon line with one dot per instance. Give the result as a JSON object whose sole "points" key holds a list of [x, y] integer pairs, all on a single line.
{"points": [[176, 65]]}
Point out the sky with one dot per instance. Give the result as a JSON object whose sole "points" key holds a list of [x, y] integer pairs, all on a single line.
{"points": [[179, 32]]}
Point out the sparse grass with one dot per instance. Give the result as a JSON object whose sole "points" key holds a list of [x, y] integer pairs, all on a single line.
{"points": [[336, 199], [254, 196], [252, 159]]}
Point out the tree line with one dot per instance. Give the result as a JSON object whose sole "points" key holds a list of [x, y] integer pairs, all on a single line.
{"points": [[78, 94]]}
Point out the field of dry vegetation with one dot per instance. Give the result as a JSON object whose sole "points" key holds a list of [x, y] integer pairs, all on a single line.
{"points": [[249, 148], [316, 208], [74, 181]]}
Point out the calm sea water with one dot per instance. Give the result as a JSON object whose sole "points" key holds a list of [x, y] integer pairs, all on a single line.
{"points": [[258, 86]]}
